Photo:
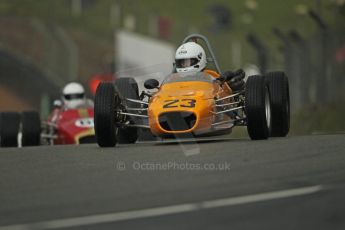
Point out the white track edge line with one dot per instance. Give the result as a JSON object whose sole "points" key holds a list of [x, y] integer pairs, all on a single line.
{"points": [[160, 211]]}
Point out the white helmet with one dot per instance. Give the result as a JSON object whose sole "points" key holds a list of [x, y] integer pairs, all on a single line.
{"points": [[190, 57], [73, 95]]}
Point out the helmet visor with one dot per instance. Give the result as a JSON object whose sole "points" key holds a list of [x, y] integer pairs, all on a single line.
{"points": [[74, 96], [184, 63]]}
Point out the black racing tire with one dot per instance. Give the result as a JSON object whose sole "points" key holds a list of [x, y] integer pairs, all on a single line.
{"points": [[9, 128], [31, 128], [128, 88], [278, 86], [257, 108], [106, 103]]}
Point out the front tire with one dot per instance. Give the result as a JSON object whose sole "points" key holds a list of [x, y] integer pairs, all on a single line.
{"points": [[128, 88], [278, 86], [257, 108], [106, 102], [31, 128], [9, 128]]}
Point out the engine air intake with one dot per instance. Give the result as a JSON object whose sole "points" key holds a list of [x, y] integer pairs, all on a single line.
{"points": [[177, 121]]}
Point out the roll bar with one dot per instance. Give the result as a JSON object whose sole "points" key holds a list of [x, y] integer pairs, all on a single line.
{"points": [[194, 38]]}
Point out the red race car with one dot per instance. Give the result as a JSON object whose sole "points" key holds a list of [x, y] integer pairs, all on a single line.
{"points": [[63, 126], [71, 122], [71, 126]]}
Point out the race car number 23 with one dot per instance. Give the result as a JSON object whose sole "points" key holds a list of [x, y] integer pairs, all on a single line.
{"points": [[185, 103]]}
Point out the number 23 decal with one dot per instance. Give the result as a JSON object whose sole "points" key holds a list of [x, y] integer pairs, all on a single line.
{"points": [[185, 103]]}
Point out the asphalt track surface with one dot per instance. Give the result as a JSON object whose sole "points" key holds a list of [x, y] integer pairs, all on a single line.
{"points": [[282, 183]]}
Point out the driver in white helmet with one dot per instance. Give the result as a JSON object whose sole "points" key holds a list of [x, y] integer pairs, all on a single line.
{"points": [[73, 96], [190, 57]]}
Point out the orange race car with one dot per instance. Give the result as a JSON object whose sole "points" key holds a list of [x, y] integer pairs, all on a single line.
{"points": [[192, 104]]}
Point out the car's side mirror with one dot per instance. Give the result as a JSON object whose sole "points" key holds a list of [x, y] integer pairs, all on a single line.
{"points": [[57, 104], [151, 84]]}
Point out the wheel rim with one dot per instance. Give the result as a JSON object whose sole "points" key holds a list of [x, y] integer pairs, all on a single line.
{"points": [[268, 109]]}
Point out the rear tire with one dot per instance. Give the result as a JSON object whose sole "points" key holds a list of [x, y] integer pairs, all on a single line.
{"points": [[106, 102], [128, 88], [278, 86], [257, 108], [31, 128], [9, 128]]}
